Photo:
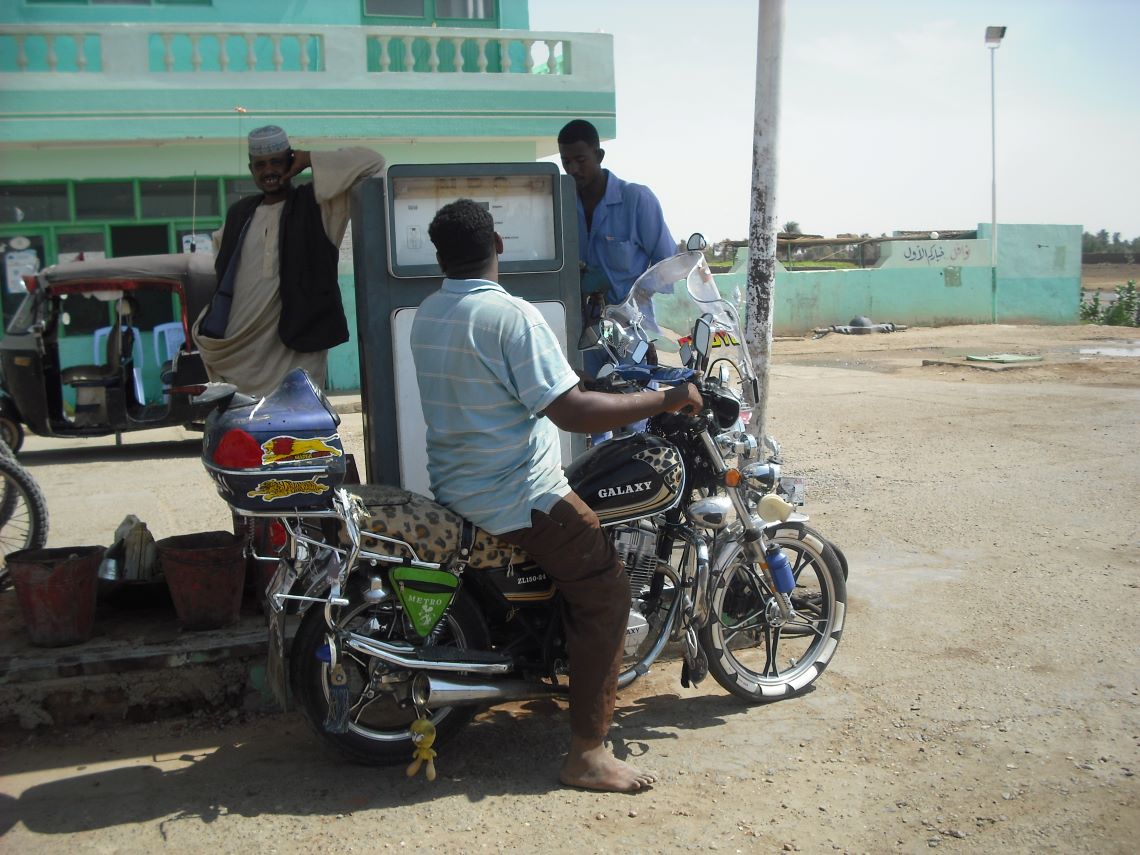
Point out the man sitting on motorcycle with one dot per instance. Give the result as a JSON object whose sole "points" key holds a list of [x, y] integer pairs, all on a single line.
{"points": [[494, 386]]}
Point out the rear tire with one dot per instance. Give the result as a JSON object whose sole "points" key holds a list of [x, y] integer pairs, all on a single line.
{"points": [[750, 652], [378, 726]]}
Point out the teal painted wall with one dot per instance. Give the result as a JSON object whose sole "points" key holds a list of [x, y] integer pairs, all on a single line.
{"points": [[1038, 281]]}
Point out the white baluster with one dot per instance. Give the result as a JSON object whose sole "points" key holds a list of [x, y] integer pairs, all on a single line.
{"points": [[433, 54], [223, 52], [409, 63], [167, 51], [250, 52], [278, 60], [551, 62], [21, 52], [528, 50], [52, 59], [457, 42], [505, 56], [195, 53], [311, 52], [81, 51], [385, 60], [482, 62]]}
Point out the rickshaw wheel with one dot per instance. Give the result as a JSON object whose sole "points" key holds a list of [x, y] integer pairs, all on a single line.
{"points": [[11, 433]]}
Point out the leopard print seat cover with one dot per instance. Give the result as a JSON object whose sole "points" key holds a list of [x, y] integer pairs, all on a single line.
{"points": [[431, 529]]}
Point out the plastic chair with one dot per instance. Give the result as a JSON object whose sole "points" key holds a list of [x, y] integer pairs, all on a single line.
{"points": [[168, 338], [136, 356]]}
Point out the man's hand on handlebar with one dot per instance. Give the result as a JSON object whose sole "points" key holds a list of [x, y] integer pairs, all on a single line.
{"points": [[683, 399]]}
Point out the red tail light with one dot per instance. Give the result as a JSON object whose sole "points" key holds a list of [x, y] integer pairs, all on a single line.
{"points": [[277, 535], [238, 450]]}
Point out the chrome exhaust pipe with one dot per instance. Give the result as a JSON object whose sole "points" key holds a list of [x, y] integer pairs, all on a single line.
{"points": [[432, 691], [407, 656]]}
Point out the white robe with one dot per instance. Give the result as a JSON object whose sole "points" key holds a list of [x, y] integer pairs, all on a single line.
{"points": [[252, 355]]}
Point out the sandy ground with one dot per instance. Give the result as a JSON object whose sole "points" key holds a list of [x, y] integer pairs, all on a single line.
{"points": [[985, 698]]}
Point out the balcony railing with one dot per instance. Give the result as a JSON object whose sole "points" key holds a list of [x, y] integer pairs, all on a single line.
{"points": [[140, 50]]}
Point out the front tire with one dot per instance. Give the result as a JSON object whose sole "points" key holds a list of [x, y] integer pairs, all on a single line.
{"points": [[378, 726], [751, 652]]}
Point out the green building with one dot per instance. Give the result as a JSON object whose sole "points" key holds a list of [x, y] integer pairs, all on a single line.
{"points": [[123, 122]]}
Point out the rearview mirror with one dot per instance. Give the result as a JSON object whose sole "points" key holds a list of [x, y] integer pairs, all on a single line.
{"points": [[702, 336], [696, 241], [640, 351]]}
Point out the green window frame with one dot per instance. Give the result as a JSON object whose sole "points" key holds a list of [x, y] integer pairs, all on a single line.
{"points": [[431, 14]]}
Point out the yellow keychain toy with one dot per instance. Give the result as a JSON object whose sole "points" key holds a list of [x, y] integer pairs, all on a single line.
{"points": [[423, 735]]}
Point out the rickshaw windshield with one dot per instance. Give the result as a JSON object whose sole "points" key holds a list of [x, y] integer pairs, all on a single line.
{"points": [[26, 315]]}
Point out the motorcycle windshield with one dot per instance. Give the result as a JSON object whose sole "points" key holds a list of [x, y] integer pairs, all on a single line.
{"points": [[666, 301]]}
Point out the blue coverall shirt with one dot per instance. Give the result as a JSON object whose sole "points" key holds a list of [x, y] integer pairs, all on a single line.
{"points": [[627, 236]]}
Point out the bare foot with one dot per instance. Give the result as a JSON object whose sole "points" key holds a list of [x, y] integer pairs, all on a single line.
{"points": [[595, 768]]}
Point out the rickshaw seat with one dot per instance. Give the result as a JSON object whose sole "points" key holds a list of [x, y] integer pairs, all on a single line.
{"points": [[102, 340], [168, 338]]}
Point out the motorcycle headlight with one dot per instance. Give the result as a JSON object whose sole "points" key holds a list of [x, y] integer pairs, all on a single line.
{"points": [[761, 477], [725, 408]]}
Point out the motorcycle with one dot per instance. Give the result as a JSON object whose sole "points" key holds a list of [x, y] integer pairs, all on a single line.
{"points": [[407, 612]]}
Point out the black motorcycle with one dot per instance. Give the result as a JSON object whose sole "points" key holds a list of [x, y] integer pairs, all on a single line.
{"points": [[407, 613]]}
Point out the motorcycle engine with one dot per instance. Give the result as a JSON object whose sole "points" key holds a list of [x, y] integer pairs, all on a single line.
{"points": [[636, 543], [635, 632]]}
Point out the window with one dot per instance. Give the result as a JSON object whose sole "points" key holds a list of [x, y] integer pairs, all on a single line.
{"points": [[431, 10], [180, 198], [86, 245], [395, 8], [238, 188], [475, 9], [104, 200], [33, 203]]}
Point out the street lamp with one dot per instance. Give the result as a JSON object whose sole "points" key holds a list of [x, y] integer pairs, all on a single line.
{"points": [[994, 35]]}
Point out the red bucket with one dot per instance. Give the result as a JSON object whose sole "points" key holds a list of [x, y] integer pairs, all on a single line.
{"points": [[56, 591], [205, 573]]}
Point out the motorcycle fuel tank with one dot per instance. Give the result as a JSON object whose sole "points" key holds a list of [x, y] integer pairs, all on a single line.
{"points": [[283, 451], [628, 477]]}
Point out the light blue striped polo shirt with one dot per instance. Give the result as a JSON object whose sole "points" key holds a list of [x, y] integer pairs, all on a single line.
{"points": [[487, 363]]}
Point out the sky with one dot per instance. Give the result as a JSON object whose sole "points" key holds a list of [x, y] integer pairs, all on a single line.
{"points": [[884, 113]]}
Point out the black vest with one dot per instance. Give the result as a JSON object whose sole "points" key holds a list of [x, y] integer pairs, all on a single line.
{"points": [[312, 316]]}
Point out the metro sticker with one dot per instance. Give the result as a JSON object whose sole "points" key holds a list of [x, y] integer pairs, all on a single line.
{"points": [[279, 488], [288, 449]]}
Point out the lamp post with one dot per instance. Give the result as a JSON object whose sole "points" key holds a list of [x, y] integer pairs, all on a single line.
{"points": [[994, 35]]}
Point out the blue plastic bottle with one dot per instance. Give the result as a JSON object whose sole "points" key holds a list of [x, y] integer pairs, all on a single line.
{"points": [[781, 569]]}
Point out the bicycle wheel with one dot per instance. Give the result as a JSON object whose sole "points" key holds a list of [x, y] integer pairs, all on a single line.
{"points": [[23, 509]]}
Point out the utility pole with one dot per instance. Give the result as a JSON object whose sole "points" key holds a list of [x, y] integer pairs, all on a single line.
{"points": [[762, 225]]}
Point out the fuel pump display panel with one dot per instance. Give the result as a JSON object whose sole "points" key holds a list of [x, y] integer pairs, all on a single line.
{"points": [[525, 207]]}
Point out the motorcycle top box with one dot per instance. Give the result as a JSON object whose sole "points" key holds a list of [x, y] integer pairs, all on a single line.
{"points": [[282, 452]]}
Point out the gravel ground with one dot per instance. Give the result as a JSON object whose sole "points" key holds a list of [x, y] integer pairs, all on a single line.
{"points": [[984, 699]]}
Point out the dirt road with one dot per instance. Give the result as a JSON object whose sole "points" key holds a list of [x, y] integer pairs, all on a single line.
{"points": [[985, 698]]}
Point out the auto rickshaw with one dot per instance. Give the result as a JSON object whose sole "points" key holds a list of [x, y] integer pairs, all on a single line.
{"points": [[103, 346]]}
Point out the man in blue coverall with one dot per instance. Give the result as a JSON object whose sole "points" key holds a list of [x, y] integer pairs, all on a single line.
{"points": [[621, 228]]}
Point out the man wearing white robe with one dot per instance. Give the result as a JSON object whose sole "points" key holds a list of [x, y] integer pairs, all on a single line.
{"points": [[250, 354]]}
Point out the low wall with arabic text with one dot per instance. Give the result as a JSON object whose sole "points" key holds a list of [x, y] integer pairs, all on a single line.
{"points": [[937, 283]]}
